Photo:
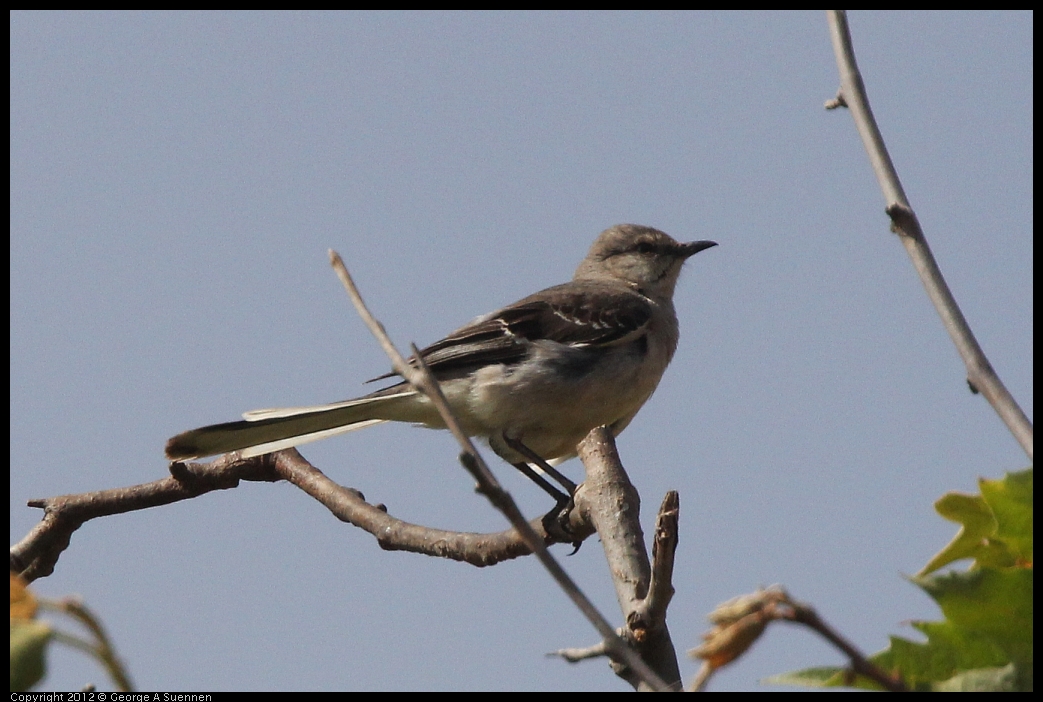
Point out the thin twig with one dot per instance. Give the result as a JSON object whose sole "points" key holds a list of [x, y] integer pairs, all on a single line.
{"points": [[102, 647], [805, 614], [702, 677], [740, 622], [980, 374], [575, 655], [420, 377], [664, 547]]}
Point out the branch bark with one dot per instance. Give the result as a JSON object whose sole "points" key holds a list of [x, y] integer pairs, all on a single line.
{"points": [[37, 553], [643, 589]]}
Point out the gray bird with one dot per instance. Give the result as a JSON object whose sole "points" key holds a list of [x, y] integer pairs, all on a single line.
{"points": [[535, 375]]}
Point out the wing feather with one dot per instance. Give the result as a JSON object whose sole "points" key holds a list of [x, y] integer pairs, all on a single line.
{"points": [[586, 315]]}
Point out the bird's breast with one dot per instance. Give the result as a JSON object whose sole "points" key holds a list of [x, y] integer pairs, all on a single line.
{"points": [[554, 397]]}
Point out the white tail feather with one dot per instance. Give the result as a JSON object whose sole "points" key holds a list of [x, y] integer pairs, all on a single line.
{"points": [[272, 446], [279, 412]]}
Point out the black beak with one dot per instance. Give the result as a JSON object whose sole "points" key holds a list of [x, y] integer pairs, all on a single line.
{"points": [[694, 247]]}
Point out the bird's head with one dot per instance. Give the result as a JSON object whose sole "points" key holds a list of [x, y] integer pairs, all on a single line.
{"points": [[644, 258]]}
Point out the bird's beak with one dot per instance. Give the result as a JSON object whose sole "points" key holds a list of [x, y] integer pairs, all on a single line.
{"points": [[694, 247]]}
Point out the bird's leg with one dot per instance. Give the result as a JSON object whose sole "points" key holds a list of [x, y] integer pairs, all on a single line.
{"points": [[543, 465], [557, 520], [560, 498]]}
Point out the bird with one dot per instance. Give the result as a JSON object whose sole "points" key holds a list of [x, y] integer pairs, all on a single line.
{"points": [[532, 378]]}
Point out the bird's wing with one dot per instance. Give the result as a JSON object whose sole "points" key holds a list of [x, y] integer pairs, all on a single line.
{"points": [[577, 315]]}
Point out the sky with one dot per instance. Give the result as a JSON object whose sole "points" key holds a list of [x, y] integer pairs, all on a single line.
{"points": [[177, 179]]}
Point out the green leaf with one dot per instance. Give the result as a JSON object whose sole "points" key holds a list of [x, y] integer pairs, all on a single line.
{"points": [[972, 541], [996, 525], [1011, 503], [989, 605], [28, 644], [985, 640], [982, 680]]}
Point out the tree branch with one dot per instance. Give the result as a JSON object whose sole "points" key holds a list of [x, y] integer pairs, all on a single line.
{"points": [[396, 535], [37, 553], [980, 374], [613, 505]]}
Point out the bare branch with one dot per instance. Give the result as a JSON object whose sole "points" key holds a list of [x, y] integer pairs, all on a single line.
{"points": [[801, 613], [575, 655], [396, 535], [614, 508], [664, 547], [980, 375], [36, 555]]}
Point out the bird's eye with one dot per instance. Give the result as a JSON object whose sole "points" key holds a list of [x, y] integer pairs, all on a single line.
{"points": [[645, 248]]}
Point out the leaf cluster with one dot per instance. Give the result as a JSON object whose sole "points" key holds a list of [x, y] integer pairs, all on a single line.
{"points": [[984, 642]]}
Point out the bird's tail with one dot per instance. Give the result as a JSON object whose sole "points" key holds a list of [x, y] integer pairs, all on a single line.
{"points": [[264, 431]]}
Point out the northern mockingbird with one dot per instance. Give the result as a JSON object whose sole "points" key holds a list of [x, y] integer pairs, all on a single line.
{"points": [[538, 374]]}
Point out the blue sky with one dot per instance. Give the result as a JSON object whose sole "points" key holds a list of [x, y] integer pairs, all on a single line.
{"points": [[176, 180]]}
